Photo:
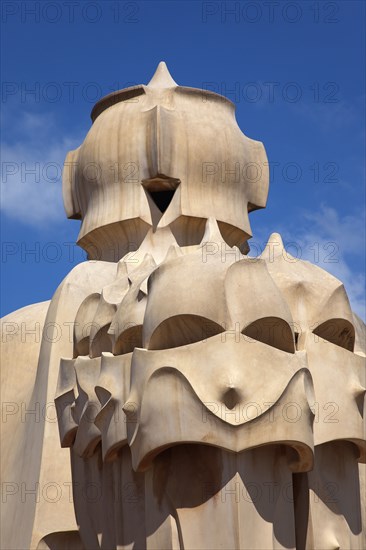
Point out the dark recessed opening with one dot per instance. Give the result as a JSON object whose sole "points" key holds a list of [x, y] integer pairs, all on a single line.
{"points": [[162, 199], [160, 191]]}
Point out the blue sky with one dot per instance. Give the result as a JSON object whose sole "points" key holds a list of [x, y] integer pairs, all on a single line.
{"points": [[294, 69]]}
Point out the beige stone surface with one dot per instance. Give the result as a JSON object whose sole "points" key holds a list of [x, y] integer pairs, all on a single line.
{"points": [[158, 138], [190, 396], [21, 336]]}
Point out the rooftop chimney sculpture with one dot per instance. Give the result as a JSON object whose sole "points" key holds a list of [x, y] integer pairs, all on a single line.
{"points": [[204, 399]]}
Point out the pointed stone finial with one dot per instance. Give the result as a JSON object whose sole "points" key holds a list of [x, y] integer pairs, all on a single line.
{"points": [[212, 233], [162, 77], [274, 248]]}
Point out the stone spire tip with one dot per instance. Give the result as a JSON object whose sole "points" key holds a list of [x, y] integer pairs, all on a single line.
{"points": [[162, 77]]}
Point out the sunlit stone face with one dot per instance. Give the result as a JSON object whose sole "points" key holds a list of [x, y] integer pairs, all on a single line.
{"points": [[219, 338], [163, 155], [216, 357]]}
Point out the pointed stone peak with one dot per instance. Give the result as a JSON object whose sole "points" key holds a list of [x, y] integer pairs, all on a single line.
{"points": [[274, 248], [121, 268], [212, 233], [276, 239], [162, 78]]}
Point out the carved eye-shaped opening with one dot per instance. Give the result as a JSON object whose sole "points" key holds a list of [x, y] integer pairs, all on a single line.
{"points": [[128, 340], [337, 331], [272, 331], [182, 330]]}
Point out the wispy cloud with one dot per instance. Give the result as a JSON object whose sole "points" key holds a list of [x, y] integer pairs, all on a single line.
{"points": [[348, 235], [328, 116], [31, 167], [333, 242]]}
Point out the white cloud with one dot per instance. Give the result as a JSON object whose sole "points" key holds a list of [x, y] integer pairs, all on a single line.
{"points": [[333, 242], [327, 116], [31, 167], [348, 235]]}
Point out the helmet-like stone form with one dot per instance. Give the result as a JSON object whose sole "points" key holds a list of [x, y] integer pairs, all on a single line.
{"points": [[163, 155]]}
